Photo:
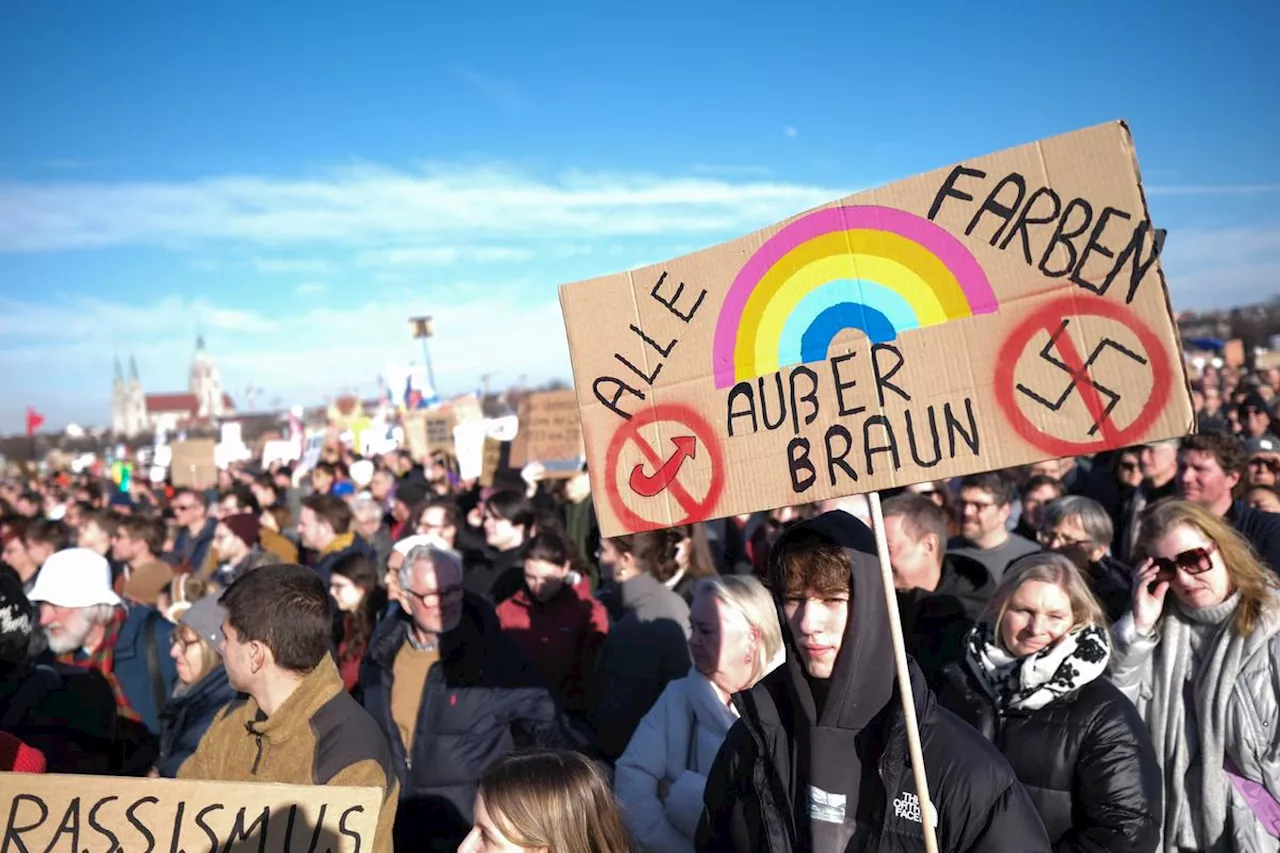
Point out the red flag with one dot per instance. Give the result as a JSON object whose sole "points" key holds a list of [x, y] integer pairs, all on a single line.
{"points": [[35, 420]]}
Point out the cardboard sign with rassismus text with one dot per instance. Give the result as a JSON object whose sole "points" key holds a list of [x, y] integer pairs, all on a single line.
{"points": [[994, 313], [98, 814]]}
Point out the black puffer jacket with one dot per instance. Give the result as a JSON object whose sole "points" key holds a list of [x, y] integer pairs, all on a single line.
{"points": [[762, 792], [1085, 759], [481, 700]]}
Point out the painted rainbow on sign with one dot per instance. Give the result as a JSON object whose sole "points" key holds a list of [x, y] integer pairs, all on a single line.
{"points": [[867, 267]]}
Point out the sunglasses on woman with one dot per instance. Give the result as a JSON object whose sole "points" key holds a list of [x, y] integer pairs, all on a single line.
{"points": [[1194, 561]]}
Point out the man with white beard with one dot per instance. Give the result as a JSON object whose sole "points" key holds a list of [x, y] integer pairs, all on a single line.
{"points": [[88, 625]]}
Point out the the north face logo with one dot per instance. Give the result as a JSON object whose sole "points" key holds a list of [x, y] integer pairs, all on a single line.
{"points": [[907, 807]]}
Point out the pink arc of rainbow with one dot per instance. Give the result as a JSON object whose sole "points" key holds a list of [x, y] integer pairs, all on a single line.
{"points": [[969, 275]]}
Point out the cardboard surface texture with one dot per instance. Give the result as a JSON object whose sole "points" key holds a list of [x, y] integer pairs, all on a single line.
{"points": [[192, 463], [491, 461], [991, 314], [550, 433], [429, 432], [98, 814]]}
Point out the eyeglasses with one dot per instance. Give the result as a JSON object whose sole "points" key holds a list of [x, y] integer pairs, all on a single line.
{"points": [[1053, 539], [176, 640], [1194, 561], [433, 599], [1129, 466], [1272, 465], [978, 506]]}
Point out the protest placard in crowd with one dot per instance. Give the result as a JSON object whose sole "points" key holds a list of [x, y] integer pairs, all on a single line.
{"points": [[1001, 311], [100, 814], [550, 433]]}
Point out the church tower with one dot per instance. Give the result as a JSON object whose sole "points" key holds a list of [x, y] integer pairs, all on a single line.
{"points": [[135, 402], [206, 383], [118, 425]]}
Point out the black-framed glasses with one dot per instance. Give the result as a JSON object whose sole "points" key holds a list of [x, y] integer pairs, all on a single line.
{"points": [[1053, 539], [1272, 465], [434, 599], [1193, 561]]}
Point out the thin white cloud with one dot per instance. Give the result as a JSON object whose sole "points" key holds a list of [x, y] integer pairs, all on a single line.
{"points": [[730, 170], [440, 255], [501, 92], [369, 205], [1212, 189], [790, 132], [311, 288], [293, 266]]}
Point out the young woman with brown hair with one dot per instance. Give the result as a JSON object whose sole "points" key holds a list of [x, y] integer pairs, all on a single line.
{"points": [[549, 801]]}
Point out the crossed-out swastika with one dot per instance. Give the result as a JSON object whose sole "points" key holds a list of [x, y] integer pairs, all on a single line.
{"points": [[1080, 377], [1059, 436]]}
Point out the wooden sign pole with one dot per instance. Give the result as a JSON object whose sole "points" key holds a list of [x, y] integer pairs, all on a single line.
{"points": [[904, 676]]}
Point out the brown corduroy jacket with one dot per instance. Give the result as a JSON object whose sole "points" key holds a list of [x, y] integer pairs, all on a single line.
{"points": [[319, 736]]}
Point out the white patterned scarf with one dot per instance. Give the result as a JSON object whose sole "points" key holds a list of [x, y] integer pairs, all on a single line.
{"points": [[1031, 682]]}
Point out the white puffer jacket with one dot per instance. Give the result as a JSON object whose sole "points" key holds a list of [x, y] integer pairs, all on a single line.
{"points": [[677, 740]]}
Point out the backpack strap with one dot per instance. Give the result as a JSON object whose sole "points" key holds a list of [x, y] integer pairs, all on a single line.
{"points": [[42, 681], [152, 653]]}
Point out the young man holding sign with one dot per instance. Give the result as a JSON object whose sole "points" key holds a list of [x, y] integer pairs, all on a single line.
{"points": [[819, 759], [297, 725]]}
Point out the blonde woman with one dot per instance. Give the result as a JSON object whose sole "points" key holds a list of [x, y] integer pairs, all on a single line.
{"points": [[548, 801], [660, 778], [1033, 682], [1203, 665], [202, 688]]}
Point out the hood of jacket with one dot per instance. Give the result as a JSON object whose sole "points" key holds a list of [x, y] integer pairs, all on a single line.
{"points": [[842, 724], [636, 592], [862, 679]]}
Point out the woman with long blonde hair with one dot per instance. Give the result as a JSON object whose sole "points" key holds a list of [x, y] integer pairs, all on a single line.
{"points": [[1033, 682], [551, 801], [1203, 666]]}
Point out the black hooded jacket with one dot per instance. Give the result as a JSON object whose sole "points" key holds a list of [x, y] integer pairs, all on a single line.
{"points": [[793, 777], [935, 622]]}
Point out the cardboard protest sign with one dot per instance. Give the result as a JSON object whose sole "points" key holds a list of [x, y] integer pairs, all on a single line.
{"points": [[492, 460], [550, 433], [1002, 311], [99, 814], [192, 463], [429, 432]]}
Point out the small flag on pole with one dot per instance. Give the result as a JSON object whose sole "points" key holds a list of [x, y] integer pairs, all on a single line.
{"points": [[35, 420]]}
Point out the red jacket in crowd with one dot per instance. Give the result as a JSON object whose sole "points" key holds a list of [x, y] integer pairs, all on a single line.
{"points": [[562, 637]]}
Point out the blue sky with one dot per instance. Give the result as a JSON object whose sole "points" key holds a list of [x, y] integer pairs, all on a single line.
{"points": [[295, 179]]}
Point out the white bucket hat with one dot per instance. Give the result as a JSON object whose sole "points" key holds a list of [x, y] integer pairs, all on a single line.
{"points": [[75, 577]]}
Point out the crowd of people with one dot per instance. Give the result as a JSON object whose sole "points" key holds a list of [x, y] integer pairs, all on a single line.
{"points": [[1094, 649]]}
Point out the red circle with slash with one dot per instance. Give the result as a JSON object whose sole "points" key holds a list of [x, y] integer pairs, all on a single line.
{"points": [[687, 419], [1047, 319]]}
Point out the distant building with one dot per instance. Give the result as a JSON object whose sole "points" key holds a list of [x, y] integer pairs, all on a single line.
{"points": [[134, 412]]}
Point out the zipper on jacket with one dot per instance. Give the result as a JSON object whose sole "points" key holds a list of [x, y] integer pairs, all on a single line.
{"points": [[257, 758]]}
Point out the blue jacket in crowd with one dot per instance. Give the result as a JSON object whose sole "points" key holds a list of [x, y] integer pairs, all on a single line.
{"points": [[186, 718], [142, 664]]}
